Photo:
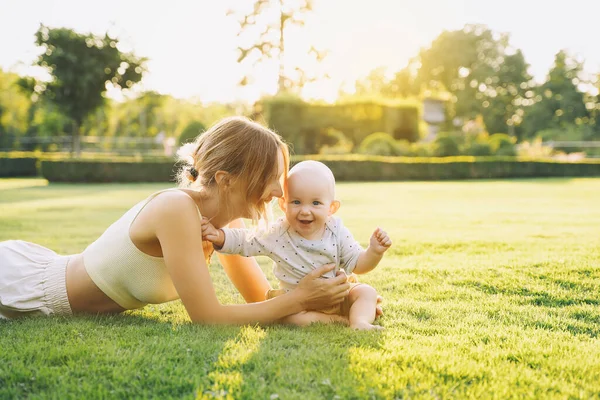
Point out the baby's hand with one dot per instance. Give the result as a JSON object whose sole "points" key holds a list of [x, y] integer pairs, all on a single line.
{"points": [[212, 234], [380, 241]]}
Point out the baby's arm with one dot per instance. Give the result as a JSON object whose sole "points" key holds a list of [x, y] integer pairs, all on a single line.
{"points": [[212, 234], [236, 241], [368, 259]]}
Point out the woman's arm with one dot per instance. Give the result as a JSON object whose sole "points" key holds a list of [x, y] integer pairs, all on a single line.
{"points": [[246, 276], [244, 273], [178, 229]]}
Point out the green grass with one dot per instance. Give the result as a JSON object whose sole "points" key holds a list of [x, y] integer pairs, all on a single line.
{"points": [[491, 291]]}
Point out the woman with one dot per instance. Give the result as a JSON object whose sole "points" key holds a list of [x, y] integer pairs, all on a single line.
{"points": [[154, 252]]}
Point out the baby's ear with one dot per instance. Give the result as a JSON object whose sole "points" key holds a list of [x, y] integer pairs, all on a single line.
{"points": [[282, 204], [335, 205]]}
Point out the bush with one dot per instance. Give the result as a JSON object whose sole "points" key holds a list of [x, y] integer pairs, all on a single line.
{"points": [[107, 171], [345, 168], [336, 143], [302, 124], [191, 132], [446, 145], [568, 133], [18, 166], [479, 149], [421, 149], [377, 168], [503, 145], [379, 144]]}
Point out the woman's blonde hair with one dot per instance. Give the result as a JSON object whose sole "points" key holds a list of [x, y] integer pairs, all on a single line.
{"points": [[245, 149]]}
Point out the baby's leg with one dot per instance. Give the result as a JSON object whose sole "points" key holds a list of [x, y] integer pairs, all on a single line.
{"points": [[363, 300], [306, 318]]}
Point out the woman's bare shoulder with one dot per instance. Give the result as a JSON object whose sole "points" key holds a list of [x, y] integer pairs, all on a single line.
{"points": [[173, 205]]}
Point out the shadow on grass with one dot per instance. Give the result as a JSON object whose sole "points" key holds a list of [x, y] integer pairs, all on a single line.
{"points": [[524, 295], [116, 356], [290, 361], [150, 354]]}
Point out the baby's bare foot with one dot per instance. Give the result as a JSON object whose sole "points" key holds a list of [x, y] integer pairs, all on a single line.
{"points": [[365, 326]]}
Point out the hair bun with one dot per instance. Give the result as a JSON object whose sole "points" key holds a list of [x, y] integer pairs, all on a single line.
{"points": [[192, 174]]}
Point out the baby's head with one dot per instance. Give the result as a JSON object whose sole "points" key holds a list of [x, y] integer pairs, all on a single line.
{"points": [[309, 197]]}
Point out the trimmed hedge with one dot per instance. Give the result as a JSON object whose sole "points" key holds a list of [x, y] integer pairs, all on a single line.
{"points": [[18, 166], [304, 125], [345, 168], [379, 168], [106, 171]]}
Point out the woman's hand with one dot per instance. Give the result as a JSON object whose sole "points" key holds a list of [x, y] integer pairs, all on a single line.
{"points": [[316, 293]]}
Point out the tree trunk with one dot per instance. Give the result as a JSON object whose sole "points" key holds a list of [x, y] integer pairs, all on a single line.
{"points": [[281, 81]]}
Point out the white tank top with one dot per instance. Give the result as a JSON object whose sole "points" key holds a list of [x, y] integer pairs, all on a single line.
{"points": [[123, 272]]}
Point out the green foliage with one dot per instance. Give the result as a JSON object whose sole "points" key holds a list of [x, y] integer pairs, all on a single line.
{"points": [[18, 166], [570, 132], [14, 111], [335, 142], [559, 102], [380, 168], [379, 143], [475, 66], [403, 85], [305, 125], [503, 145], [107, 171], [479, 148], [191, 132], [446, 144], [81, 65], [345, 168]]}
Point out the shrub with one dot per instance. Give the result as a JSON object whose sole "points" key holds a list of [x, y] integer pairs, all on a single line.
{"points": [[503, 145], [403, 148], [421, 149], [379, 144], [346, 168], [18, 166], [378, 168], [479, 149], [191, 132], [446, 145], [302, 124], [108, 171], [336, 143]]}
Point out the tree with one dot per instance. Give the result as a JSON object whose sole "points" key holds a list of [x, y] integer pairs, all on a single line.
{"points": [[271, 41], [510, 92], [14, 110], [373, 84], [559, 102], [81, 67], [477, 68]]}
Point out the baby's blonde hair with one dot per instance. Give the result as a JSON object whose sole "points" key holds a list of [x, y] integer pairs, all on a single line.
{"points": [[245, 149]]}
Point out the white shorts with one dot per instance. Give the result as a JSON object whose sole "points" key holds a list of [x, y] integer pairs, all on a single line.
{"points": [[32, 280]]}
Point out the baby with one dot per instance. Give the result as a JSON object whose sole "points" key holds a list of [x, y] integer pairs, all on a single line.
{"points": [[310, 236]]}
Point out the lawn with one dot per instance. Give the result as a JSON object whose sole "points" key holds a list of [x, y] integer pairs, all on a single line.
{"points": [[491, 291]]}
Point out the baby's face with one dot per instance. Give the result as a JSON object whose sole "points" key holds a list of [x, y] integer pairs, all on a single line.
{"points": [[308, 204]]}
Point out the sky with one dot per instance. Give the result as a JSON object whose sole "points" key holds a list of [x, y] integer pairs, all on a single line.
{"points": [[191, 44]]}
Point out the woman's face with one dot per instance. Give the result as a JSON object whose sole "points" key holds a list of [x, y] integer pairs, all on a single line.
{"points": [[238, 198], [274, 188]]}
